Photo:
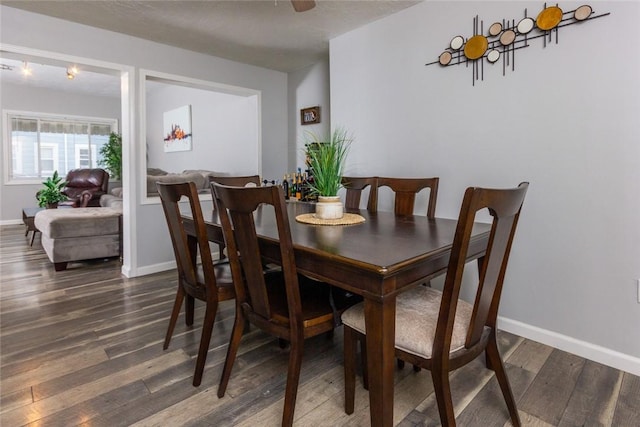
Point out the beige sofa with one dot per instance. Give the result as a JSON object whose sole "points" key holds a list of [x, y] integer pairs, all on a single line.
{"points": [[198, 176], [80, 234]]}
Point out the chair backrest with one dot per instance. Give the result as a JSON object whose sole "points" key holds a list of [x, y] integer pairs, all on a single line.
{"points": [[355, 186], [236, 207], [170, 195], [504, 206], [405, 190], [236, 181]]}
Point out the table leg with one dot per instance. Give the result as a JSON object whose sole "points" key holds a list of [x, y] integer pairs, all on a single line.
{"points": [[380, 319]]}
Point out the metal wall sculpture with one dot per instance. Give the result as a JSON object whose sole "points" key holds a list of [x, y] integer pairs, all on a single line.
{"points": [[504, 38]]}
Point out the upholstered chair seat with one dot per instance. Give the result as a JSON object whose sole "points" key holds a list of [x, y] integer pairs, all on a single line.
{"points": [[416, 320]]}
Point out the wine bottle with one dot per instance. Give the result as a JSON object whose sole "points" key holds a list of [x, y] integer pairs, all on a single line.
{"points": [[294, 186], [285, 187]]}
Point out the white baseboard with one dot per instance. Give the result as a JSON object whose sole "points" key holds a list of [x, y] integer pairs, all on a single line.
{"points": [[606, 356], [150, 269], [157, 268], [11, 222]]}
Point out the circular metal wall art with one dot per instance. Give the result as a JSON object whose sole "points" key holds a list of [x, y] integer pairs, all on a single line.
{"points": [[476, 47], [504, 38], [457, 42], [495, 29], [445, 58], [526, 25], [507, 37], [493, 55], [582, 13], [549, 18]]}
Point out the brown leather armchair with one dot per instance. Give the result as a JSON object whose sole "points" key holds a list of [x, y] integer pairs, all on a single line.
{"points": [[85, 186]]}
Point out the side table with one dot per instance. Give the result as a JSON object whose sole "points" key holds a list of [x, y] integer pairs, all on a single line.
{"points": [[28, 216]]}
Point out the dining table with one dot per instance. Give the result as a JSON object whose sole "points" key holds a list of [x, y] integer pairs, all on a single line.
{"points": [[377, 259]]}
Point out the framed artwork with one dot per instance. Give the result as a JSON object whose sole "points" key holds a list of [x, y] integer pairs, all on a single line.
{"points": [[310, 115], [177, 129]]}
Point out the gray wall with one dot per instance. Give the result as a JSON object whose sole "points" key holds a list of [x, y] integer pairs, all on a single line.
{"points": [[24, 98], [566, 120], [308, 87], [142, 251]]}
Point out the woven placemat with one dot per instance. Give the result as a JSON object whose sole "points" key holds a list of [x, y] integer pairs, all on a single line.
{"points": [[347, 219]]}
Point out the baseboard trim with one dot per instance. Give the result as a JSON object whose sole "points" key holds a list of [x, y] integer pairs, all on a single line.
{"points": [[151, 269], [11, 222], [606, 356], [158, 268]]}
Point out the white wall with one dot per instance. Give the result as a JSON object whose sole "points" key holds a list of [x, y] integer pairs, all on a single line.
{"points": [[39, 100], [308, 87], [566, 120], [224, 129], [39, 32]]}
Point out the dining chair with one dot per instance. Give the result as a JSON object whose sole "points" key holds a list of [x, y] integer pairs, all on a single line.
{"points": [[437, 330], [405, 191], [355, 187], [209, 281], [283, 303], [236, 181]]}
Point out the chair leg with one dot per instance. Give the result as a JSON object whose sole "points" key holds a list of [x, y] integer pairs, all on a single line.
{"points": [[205, 339], [442, 390], [232, 350], [189, 308], [174, 316], [400, 364], [282, 343], [495, 361], [293, 377], [350, 347], [363, 360]]}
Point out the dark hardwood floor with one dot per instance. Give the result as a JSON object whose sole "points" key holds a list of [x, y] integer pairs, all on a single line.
{"points": [[84, 347]]}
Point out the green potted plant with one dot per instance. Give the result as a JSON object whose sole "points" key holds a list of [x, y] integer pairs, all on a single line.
{"points": [[51, 194], [111, 153], [326, 159]]}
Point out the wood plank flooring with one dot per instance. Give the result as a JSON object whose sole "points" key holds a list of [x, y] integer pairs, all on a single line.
{"points": [[84, 347]]}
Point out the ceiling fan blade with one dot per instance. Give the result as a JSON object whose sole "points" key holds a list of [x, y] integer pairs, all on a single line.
{"points": [[303, 5]]}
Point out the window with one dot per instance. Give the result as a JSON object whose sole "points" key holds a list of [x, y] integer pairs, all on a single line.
{"points": [[86, 155], [44, 143]]}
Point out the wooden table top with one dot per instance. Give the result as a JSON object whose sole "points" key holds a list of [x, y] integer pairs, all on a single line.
{"points": [[383, 245]]}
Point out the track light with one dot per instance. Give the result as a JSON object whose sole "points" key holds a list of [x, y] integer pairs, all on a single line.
{"points": [[26, 71], [71, 72]]}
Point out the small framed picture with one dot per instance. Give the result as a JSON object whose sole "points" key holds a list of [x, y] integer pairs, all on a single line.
{"points": [[310, 115]]}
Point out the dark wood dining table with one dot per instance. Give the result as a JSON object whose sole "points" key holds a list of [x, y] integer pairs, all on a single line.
{"points": [[376, 259]]}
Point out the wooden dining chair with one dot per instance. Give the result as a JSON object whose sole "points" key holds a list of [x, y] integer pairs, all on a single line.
{"points": [[355, 187], [405, 191], [236, 181], [209, 281], [436, 330], [283, 303]]}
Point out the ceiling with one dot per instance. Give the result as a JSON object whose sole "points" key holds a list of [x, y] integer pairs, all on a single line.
{"points": [[265, 33], [48, 74]]}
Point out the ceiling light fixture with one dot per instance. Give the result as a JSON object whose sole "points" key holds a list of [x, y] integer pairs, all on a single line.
{"points": [[71, 72], [25, 69]]}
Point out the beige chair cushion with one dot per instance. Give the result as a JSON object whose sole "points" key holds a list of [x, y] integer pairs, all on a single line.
{"points": [[416, 317]]}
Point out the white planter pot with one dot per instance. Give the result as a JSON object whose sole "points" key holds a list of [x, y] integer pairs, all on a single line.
{"points": [[329, 207]]}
